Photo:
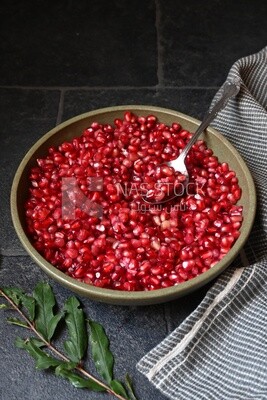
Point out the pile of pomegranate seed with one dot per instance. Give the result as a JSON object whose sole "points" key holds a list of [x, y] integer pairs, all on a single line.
{"points": [[132, 245]]}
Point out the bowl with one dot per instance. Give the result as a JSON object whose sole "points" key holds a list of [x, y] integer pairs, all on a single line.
{"points": [[74, 127]]}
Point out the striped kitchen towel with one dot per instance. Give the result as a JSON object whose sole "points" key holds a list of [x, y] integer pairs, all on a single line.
{"points": [[220, 351]]}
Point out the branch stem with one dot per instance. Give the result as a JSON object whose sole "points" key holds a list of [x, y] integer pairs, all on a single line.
{"points": [[55, 350]]}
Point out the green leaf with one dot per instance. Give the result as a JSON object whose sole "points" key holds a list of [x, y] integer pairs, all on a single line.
{"points": [[43, 360], [77, 381], [38, 342], [19, 297], [129, 385], [75, 319], [45, 322], [68, 365], [54, 323], [102, 356], [118, 388], [20, 343], [16, 321], [14, 294], [29, 303], [4, 307]]}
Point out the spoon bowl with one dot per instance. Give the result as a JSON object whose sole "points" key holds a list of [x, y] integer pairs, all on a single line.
{"points": [[230, 89]]}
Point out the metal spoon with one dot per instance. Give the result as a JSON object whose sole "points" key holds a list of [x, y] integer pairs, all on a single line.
{"points": [[229, 90]]}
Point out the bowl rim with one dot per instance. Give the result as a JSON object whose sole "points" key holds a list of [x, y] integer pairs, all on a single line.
{"points": [[118, 296]]}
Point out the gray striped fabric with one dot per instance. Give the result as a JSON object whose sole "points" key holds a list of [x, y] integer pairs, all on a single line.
{"points": [[220, 351]]}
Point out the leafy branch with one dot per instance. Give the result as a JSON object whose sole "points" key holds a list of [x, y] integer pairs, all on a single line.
{"points": [[37, 315]]}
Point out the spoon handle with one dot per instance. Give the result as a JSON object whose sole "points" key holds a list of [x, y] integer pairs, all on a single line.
{"points": [[229, 90]]}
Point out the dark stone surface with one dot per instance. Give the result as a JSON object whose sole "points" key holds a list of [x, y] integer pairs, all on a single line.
{"points": [[190, 101], [168, 53], [77, 43], [200, 40], [25, 116]]}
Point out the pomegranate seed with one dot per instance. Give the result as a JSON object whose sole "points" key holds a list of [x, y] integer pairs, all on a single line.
{"points": [[71, 253], [59, 242], [155, 244], [157, 270]]}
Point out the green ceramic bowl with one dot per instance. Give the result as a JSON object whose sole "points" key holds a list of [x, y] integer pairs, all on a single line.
{"points": [[74, 127]]}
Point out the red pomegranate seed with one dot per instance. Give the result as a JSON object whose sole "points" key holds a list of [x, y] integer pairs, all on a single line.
{"points": [[157, 270], [71, 253]]}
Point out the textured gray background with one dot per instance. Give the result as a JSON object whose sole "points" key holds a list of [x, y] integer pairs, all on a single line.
{"points": [[62, 58]]}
